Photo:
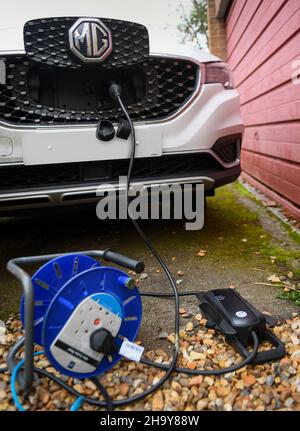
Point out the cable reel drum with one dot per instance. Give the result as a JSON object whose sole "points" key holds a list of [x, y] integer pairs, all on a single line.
{"points": [[82, 313]]}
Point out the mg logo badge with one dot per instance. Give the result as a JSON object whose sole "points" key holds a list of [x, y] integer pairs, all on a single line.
{"points": [[90, 40]]}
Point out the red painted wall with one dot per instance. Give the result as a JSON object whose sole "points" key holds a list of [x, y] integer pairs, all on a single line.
{"points": [[263, 41]]}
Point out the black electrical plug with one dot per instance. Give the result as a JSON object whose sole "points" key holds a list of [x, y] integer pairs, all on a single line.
{"points": [[102, 341], [114, 90]]}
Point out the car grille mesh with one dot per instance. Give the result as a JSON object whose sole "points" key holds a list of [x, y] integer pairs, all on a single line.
{"points": [[46, 42], [169, 83]]}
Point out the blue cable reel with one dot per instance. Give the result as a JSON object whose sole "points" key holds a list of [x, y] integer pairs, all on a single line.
{"points": [[81, 310], [48, 280]]}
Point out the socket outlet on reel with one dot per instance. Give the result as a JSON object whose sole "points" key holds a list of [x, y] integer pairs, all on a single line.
{"points": [[82, 313]]}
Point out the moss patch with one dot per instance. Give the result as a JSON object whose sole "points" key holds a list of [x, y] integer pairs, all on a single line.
{"points": [[287, 258]]}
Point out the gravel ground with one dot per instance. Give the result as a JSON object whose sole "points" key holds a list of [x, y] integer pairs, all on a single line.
{"points": [[241, 246], [273, 386]]}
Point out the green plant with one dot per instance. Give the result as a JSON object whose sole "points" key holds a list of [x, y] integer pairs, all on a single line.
{"points": [[194, 25], [292, 296]]}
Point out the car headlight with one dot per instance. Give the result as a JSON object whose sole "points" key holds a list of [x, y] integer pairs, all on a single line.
{"points": [[219, 73]]}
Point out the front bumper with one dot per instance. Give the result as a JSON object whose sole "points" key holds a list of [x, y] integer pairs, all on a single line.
{"points": [[64, 196], [212, 114]]}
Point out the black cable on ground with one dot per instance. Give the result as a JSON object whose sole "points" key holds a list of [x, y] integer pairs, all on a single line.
{"points": [[169, 295], [106, 396]]}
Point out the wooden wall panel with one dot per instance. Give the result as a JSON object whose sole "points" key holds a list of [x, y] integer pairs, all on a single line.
{"points": [[263, 41]]}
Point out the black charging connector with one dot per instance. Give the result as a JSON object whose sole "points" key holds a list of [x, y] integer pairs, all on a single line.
{"points": [[114, 90], [124, 126], [233, 316]]}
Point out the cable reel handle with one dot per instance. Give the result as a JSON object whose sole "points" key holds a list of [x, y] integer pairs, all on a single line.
{"points": [[125, 261]]}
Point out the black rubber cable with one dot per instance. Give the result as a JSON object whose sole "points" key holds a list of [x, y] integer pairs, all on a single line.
{"points": [[106, 396], [170, 295], [172, 366]]}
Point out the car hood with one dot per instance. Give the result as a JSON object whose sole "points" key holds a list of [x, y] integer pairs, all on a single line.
{"points": [[12, 22]]}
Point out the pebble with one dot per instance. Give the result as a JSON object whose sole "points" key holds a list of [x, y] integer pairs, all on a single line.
{"points": [[43, 395], [249, 379], [158, 401], [296, 354], [124, 389], [189, 327], [2, 394], [240, 385], [269, 380], [185, 382], [262, 387], [137, 383], [209, 380], [223, 391], [228, 407], [79, 388], [202, 404], [265, 398], [289, 402], [90, 385], [163, 335], [196, 381], [195, 356], [219, 403]]}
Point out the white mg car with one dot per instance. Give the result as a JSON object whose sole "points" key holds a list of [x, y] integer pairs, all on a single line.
{"points": [[54, 78]]}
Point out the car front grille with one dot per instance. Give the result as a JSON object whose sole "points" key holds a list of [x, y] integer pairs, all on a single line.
{"points": [[38, 94], [21, 178], [45, 42]]}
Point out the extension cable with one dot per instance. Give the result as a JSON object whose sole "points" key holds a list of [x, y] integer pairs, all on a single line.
{"points": [[108, 403]]}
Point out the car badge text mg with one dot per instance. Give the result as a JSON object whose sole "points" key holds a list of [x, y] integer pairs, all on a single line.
{"points": [[90, 40]]}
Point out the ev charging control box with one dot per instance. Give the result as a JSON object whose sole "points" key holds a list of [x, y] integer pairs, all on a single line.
{"points": [[230, 313]]}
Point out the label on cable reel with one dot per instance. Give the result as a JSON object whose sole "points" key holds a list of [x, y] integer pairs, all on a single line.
{"points": [[131, 351]]}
